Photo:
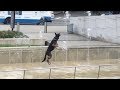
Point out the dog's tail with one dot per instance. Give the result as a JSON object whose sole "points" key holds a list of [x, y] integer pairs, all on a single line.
{"points": [[44, 58]]}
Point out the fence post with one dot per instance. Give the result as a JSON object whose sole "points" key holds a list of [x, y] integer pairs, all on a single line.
{"points": [[9, 56], [24, 74], [50, 74], [12, 22], [18, 26], [74, 72], [98, 72]]}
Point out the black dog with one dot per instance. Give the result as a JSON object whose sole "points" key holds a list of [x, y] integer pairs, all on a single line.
{"points": [[51, 47]]}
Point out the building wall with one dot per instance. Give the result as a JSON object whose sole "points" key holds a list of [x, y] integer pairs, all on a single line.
{"points": [[107, 27]]}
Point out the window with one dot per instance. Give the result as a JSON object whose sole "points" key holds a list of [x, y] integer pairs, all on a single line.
{"points": [[20, 12], [9, 12], [16, 12]]}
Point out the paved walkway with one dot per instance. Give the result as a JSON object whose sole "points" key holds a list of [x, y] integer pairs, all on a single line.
{"points": [[71, 40]]}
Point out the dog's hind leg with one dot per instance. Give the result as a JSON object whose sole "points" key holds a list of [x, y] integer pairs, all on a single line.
{"points": [[44, 58], [49, 57]]}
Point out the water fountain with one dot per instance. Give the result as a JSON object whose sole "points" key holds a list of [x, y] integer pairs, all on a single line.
{"points": [[89, 39], [65, 49], [89, 13], [40, 34], [64, 46], [67, 17]]}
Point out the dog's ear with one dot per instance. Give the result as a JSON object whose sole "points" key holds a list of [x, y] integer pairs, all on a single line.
{"points": [[55, 34]]}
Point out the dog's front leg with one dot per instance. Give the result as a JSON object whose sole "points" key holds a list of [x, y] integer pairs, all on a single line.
{"points": [[55, 45]]}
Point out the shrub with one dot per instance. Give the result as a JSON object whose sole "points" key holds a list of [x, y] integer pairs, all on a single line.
{"points": [[12, 34]]}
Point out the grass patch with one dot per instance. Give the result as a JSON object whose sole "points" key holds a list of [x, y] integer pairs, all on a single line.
{"points": [[7, 45]]}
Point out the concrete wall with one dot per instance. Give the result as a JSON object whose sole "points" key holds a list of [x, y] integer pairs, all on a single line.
{"points": [[35, 28], [107, 27], [22, 41], [94, 55]]}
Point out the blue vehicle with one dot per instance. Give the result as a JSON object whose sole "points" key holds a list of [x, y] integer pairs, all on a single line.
{"points": [[27, 17]]}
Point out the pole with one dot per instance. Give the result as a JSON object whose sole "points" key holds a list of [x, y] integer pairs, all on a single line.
{"points": [[74, 72], [12, 23], [18, 26], [45, 27], [50, 74], [98, 72], [24, 74]]}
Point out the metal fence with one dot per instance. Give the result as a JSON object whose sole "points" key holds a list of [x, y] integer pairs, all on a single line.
{"points": [[98, 73]]}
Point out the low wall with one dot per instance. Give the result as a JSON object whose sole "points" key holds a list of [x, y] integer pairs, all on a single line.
{"points": [[22, 41], [35, 28], [95, 55]]}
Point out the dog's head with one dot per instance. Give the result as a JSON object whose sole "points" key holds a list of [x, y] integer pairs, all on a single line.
{"points": [[57, 35]]}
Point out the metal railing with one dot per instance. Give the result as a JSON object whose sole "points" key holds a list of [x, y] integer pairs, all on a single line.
{"points": [[97, 76]]}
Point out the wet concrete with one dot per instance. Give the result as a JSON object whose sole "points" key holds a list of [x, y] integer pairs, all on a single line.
{"points": [[58, 70], [64, 36]]}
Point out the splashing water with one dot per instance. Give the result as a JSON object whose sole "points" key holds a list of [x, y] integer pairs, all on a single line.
{"points": [[63, 45], [40, 34], [89, 36], [88, 32]]}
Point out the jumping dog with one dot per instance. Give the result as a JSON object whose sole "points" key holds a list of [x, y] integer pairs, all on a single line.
{"points": [[53, 44]]}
